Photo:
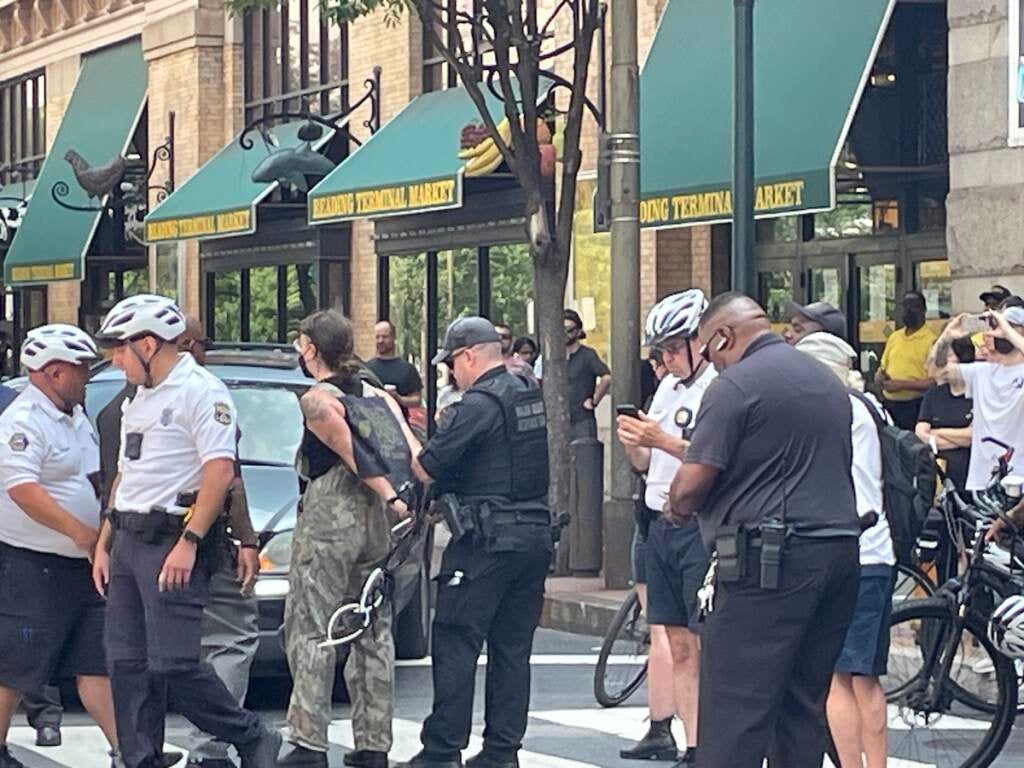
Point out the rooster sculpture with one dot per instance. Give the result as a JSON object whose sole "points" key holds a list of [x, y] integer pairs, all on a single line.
{"points": [[97, 182]]}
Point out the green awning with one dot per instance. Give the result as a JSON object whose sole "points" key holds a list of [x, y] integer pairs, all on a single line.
{"points": [[411, 165], [220, 199], [98, 123], [811, 61]]}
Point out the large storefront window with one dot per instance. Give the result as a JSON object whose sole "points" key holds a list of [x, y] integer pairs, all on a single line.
{"points": [[933, 279], [262, 304], [1015, 33], [22, 127], [166, 265], [776, 291], [294, 59], [592, 271], [877, 291]]}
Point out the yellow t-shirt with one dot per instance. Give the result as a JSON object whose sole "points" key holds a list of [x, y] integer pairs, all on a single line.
{"points": [[904, 358]]}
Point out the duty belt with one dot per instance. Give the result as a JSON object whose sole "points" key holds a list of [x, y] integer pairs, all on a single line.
{"points": [[154, 526], [528, 517]]}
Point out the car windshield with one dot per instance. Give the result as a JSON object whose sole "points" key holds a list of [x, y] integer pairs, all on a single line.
{"points": [[270, 421]]}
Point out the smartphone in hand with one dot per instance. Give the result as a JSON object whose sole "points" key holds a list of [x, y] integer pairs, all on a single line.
{"points": [[973, 324], [627, 409]]}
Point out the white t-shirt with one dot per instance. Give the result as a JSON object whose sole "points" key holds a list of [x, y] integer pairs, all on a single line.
{"points": [[185, 421], [998, 395], [39, 443], [876, 542], [675, 408]]}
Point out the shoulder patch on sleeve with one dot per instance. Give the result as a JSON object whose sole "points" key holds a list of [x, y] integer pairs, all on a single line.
{"points": [[447, 417], [18, 442], [222, 413]]}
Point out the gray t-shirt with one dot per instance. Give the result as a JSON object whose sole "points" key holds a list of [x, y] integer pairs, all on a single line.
{"points": [[777, 425]]}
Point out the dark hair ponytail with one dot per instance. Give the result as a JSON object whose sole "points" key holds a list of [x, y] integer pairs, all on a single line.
{"points": [[331, 333]]}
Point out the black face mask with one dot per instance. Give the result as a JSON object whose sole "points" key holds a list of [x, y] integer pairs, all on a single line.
{"points": [[912, 318], [1003, 346], [304, 368]]}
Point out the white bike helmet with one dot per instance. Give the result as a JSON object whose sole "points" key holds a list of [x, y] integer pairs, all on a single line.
{"points": [[1006, 627], [675, 315], [57, 342], [143, 315]]}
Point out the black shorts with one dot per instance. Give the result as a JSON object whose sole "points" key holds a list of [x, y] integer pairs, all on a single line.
{"points": [[51, 619], [676, 563], [866, 647]]}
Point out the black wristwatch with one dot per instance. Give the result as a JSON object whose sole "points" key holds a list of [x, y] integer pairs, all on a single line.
{"points": [[192, 537]]}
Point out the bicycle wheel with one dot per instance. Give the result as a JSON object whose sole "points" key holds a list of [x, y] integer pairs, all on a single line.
{"points": [[930, 722], [911, 584], [622, 663]]}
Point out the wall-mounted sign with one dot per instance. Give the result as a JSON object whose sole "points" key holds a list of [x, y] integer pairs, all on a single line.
{"points": [[205, 225], [410, 197]]}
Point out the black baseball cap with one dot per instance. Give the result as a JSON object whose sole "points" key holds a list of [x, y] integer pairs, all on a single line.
{"points": [[995, 294], [465, 332], [824, 314]]}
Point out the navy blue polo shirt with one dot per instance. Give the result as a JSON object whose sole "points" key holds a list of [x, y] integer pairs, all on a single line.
{"points": [[777, 426]]}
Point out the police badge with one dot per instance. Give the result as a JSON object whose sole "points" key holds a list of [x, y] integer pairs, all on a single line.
{"points": [[222, 413], [18, 442]]}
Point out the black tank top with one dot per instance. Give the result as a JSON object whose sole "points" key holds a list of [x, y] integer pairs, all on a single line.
{"points": [[319, 457]]}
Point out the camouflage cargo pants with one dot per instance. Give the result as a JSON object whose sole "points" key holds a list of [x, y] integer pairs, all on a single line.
{"points": [[340, 535]]}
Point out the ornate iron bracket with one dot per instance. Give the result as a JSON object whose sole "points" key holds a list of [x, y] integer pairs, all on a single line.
{"points": [[130, 194], [372, 123]]}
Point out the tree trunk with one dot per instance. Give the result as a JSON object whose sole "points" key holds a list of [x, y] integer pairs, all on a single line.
{"points": [[550, 269]]}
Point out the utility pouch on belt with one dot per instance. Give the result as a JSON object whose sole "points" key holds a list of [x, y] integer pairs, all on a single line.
{"points": [[773, 545], [731, 549]]}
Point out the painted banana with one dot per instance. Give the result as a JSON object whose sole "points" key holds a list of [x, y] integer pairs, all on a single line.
{"points": [[485, 146], [484, 163]]}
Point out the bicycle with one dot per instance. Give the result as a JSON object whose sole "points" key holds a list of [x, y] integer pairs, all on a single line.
{"points": [[628, 640], [946, 679]]}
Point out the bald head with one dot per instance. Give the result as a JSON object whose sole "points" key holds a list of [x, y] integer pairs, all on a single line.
{"points": [[731, 321], [384, 339]]}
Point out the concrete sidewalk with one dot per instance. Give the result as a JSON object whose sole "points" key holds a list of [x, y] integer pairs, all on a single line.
{"points": [[580, 605]]}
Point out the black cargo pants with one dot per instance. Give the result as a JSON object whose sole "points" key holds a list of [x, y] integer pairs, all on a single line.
{"points": [[497, 598], [767, 658], [153, 653]]}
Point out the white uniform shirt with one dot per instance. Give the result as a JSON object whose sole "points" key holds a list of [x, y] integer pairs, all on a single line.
{"points": [[998, 394], [185, 421], [675, 408], [39, 443], [876, 542]]}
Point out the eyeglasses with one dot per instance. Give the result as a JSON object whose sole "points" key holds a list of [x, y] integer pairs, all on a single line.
{"points": [[705, 349], [504, 335], [672, 348], [571, 329]]}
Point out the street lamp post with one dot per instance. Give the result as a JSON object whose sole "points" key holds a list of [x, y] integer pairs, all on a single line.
{"points": [[623, 150], [744, 277]]}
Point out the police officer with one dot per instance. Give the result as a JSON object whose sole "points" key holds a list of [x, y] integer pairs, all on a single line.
{"points": [[340, 537], [490, 453], [768, 467], [176, 465], [51, 620]]}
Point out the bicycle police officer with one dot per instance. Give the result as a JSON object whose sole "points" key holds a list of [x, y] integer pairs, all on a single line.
{"points": [[175, 467], [490, 454]]}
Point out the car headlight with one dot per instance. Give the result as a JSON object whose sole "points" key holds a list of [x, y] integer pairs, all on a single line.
{"points": [[276, 555]]}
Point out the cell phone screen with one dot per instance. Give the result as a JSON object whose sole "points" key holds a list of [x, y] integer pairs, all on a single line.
{"points": [[628, 410]]}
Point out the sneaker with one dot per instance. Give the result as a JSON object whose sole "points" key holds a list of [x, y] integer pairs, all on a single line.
{"points": [[167, 759], [47, 736], [7, 760], [366, 758]]}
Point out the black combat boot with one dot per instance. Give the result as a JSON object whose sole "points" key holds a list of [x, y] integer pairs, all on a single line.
{"points": [[688, 760], [366, 758], [424, 759], [48, 736], [486, 760], [262, 751], [657, 744]]}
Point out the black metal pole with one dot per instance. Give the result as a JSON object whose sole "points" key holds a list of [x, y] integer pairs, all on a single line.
{"points": [[483, 282], [383, 288], [432, 339], [744, 278]]}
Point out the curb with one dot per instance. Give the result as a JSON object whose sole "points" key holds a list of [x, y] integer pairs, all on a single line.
{"points": [[571, 613]]}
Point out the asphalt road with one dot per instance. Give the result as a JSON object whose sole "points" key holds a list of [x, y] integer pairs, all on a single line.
{"points": [[567, 729]]}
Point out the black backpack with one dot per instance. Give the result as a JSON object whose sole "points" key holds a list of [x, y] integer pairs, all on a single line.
{"points": [[908, 482]]}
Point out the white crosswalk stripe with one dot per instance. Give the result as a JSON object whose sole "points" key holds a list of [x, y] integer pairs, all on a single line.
{"points": [[85, 747]]}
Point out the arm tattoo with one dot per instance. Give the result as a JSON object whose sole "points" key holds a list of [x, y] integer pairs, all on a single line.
{"points": [[312, 407]]}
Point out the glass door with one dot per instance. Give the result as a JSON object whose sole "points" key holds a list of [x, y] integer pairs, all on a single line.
{"points": [[826, 278], [776, 283], [876, 299]]}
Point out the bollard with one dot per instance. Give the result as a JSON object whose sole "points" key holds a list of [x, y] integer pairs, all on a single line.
{"points": [[586, 500]]}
